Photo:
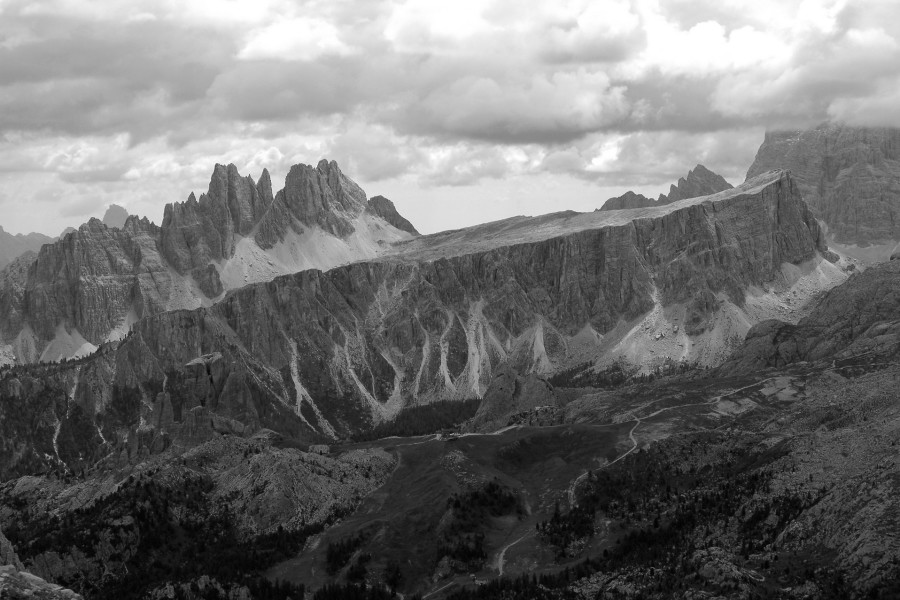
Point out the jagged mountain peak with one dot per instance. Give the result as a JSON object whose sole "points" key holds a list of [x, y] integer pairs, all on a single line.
{"points": [[324, 197], [93, 284], [699, 181], [12, 246], [324, 165], [701, 171], [92, 224]]}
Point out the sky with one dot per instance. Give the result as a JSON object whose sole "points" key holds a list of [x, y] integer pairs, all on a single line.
{"points": [[461, 112]]}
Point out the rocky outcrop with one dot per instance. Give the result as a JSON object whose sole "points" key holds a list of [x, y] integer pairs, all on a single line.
{"points": [[323, 196], [849, 176], [88, 284], [384, 208], [8, 554], [197, 233], [115, 216], [94, 283], [19, 585], [700, 181], [15, 584], [858, 318], [13, 246]]}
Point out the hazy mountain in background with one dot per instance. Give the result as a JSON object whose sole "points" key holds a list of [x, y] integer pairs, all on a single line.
{"points": [[115, 216], [12, 246], [849, 176]]}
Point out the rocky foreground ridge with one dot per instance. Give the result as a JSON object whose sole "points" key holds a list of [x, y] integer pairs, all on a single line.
{"points": [[849, 176], [16, 584], [318, 355], [91, 285]]}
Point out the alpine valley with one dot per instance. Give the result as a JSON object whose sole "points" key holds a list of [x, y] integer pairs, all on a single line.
{"points": [[295, 394]]}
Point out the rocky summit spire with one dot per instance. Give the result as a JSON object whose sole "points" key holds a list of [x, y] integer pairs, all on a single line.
{"points": [[322, 196], [197, 233], [384, 208]]}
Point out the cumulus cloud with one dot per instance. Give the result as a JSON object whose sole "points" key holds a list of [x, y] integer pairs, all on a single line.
{"points": [[134, 102], [301, 38]]}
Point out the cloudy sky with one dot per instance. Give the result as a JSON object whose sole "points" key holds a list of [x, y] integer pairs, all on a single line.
{"points": [[460, 111]]}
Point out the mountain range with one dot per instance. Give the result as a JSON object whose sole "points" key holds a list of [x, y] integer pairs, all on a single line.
{"points": [[12, 246], [94, 283], [275, 393]]}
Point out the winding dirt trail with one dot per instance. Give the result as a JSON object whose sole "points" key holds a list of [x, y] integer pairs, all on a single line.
{"points": [[440, 589], [501, 558], [639, 420]]}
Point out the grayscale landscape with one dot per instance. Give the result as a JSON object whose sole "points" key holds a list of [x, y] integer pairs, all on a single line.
{"points": [[664, 381]]}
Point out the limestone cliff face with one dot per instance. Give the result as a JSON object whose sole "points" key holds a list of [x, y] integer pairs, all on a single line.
{"points": [[95, 282], [405, 327], [321, 354], [700, 181], [320, 197], [849, 176], [90, 280], [198, 232]]}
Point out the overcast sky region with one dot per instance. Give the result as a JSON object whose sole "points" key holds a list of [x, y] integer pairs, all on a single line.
{"points": [[460, 111]]}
